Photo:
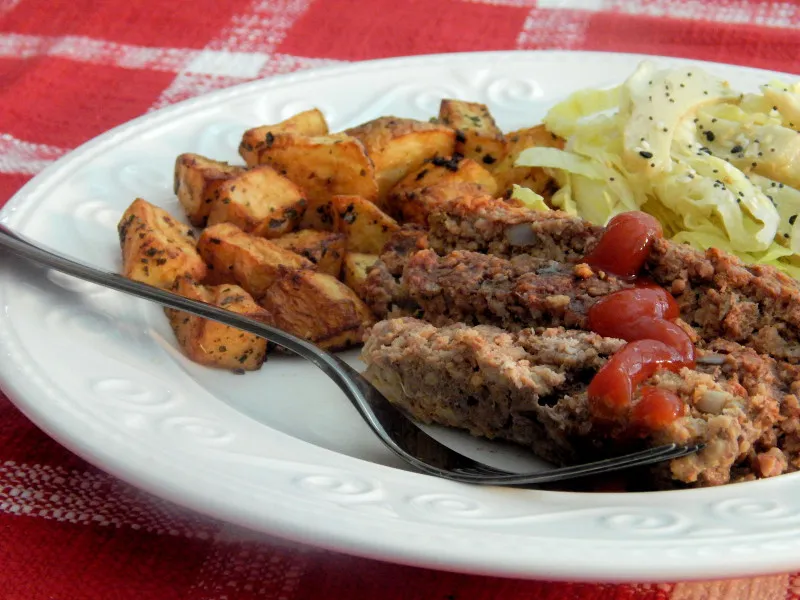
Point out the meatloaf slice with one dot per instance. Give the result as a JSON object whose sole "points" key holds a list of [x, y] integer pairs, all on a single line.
{"points": [[530, 389], [492, 226], [383, 291], [755, 305], [524, 291]]}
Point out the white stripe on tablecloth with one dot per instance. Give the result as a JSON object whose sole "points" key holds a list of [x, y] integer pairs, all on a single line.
{"points": [[573, 4], [562, 23], [227, 59], [190, 83], [90, 50], [235, 64], [553, 29], [771, 14], [26, 158], [240, 563], [239, 560], [505, 2], [93, 498]]}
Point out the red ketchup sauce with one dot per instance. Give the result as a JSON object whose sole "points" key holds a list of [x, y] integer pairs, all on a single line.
{"points": [[642, 316], [625, 244]]}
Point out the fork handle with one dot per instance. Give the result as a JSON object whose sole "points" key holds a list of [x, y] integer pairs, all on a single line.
{"points": [[23, 247], [347, 378]]}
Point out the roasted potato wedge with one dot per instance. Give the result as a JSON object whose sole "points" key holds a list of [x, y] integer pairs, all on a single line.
{"points": [[437, 180], [254, 141], [259, 201], [447, 170], [325, 249], [354, 269], [213, 344], [324, 167], [254, 263], [157, 249], [477, 135], [319, 308], [366, 226], [415, 205], [197, 181], [399, 146], [534, 178]]}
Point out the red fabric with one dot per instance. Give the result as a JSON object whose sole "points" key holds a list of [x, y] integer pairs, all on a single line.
{"points": [[166, 24], [746, 44], [88, 100], [70, 70], [411, 27]]}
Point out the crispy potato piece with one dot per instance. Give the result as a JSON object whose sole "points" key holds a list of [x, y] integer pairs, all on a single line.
{"points": [[447, 170], [324, 167], [197, 180], [254, 141], [254, 263], [259, 201], [366, 226], [534, 178], [319, 308], [399, 146], [213, 344], [354, 268], [415, 206], [323, 248], [412, 199], [156, 249], [477, 135]]}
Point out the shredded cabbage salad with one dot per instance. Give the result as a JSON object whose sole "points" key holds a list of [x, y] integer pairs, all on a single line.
{"points": [[717, 167]]}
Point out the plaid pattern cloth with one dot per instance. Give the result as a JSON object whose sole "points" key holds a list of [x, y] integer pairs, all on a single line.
{"points": [[71, 70]]}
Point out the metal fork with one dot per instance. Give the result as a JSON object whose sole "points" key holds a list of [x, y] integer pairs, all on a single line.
{"points": [[389, 423]]}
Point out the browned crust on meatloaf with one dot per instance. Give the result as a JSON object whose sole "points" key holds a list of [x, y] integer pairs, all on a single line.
{"points": [[530, 389], [755, 305], [482, 225]]}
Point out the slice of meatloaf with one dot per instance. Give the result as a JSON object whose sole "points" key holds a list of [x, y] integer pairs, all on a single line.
{"points": [[383, 292], [530, 389], [493, 226], [524, 291], [404, 243], [755, 305]]}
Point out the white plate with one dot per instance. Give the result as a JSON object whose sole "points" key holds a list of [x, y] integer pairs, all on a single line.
{"points": [[281, 450]]}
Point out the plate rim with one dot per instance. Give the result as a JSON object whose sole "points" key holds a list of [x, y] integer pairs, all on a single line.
{"points": [[366, 548], [196, 102]]}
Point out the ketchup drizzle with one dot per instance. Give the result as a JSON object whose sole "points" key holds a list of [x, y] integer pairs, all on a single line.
{"points": [[642, 316], [625, 244]]}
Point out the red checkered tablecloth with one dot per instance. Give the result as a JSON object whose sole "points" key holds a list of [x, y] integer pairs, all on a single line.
{"points": [[71, 69]]}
